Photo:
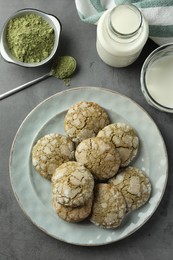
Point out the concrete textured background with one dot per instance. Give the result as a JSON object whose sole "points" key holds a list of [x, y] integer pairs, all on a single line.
{"points": [[19, 238]]}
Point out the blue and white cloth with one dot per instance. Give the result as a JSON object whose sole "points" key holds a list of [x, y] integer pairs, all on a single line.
{"points": [[159, 14]]}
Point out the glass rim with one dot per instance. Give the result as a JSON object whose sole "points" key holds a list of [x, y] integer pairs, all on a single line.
{"points": [[145, 66]]}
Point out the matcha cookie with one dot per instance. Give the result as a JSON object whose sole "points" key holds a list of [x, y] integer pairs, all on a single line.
{"points": [[109, 207], [125, 140], [84, 120], [73, 214], [134, 185], [72, 184], [100, 156], [51, 151]]}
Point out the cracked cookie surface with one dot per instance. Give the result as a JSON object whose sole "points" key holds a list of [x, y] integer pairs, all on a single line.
{"points": [[109, 207], [134, 185], [99, 156], [125, 140], [72, 184], [73, 214], [51, 151], [85, 119]]}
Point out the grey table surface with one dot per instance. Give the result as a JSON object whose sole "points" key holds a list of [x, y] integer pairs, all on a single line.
{"points": [[19, 238]]}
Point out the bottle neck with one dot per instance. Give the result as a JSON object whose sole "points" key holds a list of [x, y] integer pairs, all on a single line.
{"points": [[124, 22]]}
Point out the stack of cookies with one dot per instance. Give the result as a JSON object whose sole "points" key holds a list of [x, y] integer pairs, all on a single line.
{"points": [[89, 167], [72, 191]]}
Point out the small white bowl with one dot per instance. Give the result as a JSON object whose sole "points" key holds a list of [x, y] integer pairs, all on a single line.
{"points": [[157, 78], [54, 23]]}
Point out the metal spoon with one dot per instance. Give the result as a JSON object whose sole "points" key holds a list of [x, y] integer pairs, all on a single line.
{"points": [[62, 68]]}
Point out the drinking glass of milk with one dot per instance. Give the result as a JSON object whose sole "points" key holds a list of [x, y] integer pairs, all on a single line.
{"points": [[121, 34], [157, 78]]}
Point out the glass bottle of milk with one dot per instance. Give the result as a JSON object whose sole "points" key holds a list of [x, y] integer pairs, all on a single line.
{"points": [[121, 34]]}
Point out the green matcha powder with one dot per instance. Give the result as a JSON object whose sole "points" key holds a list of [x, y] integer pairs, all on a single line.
{"points": [[30, 38]]}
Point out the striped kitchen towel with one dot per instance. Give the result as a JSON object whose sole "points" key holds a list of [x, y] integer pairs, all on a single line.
{"points": [[159, 14]]}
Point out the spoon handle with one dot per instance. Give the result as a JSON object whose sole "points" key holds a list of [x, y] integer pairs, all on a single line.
{"points": [[26, 85]]}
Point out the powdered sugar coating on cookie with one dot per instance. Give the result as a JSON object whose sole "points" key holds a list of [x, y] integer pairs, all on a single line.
{"points": [[72, 184], [51, 151], [100, 156], [134, 185], [109, 207], [125, 140], [85, 119], [73, 214]]}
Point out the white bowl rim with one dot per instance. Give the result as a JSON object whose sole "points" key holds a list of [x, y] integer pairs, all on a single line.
{"points": [[52, 19]]}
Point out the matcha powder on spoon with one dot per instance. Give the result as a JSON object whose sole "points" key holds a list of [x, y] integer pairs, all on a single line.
{"points": [[30, 38], [63, 68]]}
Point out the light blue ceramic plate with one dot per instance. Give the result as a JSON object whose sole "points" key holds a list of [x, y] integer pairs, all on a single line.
{"points": [[33, 192]]}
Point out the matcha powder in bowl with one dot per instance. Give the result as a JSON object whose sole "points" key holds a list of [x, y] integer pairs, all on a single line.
{"points": [[30, 38]]}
